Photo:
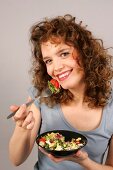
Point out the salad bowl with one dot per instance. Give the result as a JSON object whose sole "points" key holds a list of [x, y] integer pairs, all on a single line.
{"points": [[61, 143]]}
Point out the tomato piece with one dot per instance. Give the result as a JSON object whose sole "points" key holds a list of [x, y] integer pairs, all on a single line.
{"points": [[42, 139]]}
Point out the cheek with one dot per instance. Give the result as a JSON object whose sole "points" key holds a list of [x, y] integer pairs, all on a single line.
{"points": [[73, 63], [76, 58], [76, 63], [49, 71]]}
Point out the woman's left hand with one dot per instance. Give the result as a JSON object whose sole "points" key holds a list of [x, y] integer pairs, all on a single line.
{"points": [[78, 157]]}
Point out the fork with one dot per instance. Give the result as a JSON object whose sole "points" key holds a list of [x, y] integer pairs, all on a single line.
{"points": [[13, 113]]}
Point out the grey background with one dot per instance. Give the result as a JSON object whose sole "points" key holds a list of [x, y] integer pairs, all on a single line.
{"points": [[16, 17]]}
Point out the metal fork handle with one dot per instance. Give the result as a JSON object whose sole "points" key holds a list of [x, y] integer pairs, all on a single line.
{"points": [[13, 113]]}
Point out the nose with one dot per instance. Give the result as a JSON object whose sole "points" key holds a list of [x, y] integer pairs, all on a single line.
{"points": [[58, 65]]}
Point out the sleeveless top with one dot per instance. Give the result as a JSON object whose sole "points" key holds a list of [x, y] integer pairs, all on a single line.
{"points": [[98, 139]]}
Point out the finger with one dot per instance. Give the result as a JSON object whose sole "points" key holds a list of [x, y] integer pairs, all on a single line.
{"points": [[21, 113], [53, 158], [80, 155], [13, 108], [28, 119], [19, 123], [31, 125]]}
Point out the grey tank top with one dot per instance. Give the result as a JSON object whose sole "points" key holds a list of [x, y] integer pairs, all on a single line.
{"points": [[98, 139]]}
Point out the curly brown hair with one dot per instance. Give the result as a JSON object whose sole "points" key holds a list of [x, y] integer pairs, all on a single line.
{"points": [[96, 62]]}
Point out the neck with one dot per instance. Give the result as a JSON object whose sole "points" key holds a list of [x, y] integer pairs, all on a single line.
{"points": [[78, 94]]}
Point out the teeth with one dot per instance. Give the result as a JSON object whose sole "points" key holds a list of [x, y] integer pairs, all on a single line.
{"points": [[63, 75]]}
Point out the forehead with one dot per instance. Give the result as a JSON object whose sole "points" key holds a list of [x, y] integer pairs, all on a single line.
{"points": [[50, 47]]}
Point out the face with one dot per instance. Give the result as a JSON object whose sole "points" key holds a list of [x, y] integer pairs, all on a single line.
{"points": [[62, 64]]}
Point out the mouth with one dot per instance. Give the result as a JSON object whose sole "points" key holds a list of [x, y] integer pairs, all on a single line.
{"points": [[63, 76]]}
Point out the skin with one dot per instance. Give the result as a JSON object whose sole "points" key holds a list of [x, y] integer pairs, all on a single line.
{"points": [[27, 123], [61, 59], [62, 62]]}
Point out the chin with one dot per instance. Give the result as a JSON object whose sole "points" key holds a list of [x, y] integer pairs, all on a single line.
{"points": [[66, 87]]}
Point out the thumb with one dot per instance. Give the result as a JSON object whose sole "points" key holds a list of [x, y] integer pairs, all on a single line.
{"points": [[14, 108], [81, 155]]}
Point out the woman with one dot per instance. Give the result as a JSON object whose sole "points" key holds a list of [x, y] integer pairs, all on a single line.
{"points": [[67, 52]]}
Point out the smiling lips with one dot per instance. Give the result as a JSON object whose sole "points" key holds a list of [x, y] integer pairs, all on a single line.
{"points": [[64, 75]]}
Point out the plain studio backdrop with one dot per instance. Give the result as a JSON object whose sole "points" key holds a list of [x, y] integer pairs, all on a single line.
{"points": [[16, 18]]}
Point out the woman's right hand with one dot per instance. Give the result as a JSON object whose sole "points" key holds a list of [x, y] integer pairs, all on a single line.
{"points": [[23, 117]]}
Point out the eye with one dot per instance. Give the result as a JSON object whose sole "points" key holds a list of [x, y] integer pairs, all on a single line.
{"points": [[65, 54], [48, 61]]}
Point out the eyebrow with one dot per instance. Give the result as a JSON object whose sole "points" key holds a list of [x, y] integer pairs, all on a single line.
{"points": [[60, 51], [45, 58]]}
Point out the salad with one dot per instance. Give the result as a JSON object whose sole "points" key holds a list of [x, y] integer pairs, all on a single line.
{"points": [[56, 141]]}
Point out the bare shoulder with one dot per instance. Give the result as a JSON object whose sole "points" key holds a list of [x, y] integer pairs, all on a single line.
{"points": [[109, 160]]}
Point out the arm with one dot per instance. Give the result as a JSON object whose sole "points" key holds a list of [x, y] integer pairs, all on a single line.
{"points": [[91, 165], [83, 159], [109, 159], [23, 138]]}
